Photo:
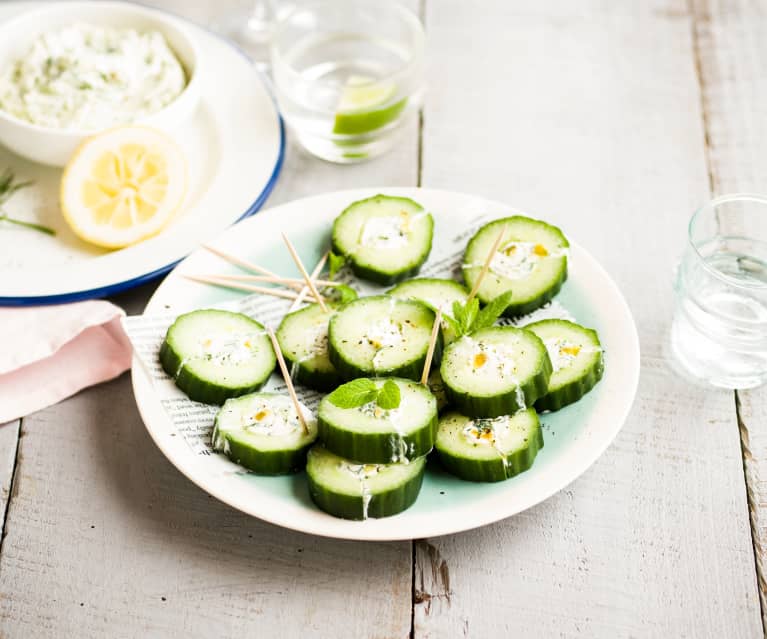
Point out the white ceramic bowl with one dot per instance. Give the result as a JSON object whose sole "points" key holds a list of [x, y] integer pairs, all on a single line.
{"points": [[55, 146]]}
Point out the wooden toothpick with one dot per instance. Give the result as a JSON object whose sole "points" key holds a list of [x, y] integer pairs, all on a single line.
{"points": [[288, 380], [432, 346], [486, 265], [238, 261], [304, 290], [292, 282], [306, 276], [226, 283]]}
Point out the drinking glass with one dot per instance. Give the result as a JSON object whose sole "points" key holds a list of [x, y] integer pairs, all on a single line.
{"points": [[348, 74], [719, 328]]}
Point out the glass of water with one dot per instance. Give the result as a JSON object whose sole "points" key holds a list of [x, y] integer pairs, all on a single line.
{"points": [[719, 329], [348, 74]]}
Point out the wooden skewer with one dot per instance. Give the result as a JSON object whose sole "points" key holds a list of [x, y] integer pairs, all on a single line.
{"points": [[242, 263], [306, 276], [287, 281], [288, 380], [486, 265], [432, 346], [265, 290], [317, 270]]}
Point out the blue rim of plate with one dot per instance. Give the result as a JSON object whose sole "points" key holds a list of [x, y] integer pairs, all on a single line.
{"points": [[119, 287]]}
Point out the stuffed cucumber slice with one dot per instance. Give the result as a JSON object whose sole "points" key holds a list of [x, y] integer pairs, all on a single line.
{"points": [[303, 339], [489, 449], [495, 371], [577, 359], [381, 336], [351, 490], [263, 433], [370, 433], [435, 293], [213, 355], [386, 239], [531, 262]]}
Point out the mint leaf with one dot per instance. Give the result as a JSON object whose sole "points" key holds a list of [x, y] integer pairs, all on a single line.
{"points": [[465, 314], [453, 324], [389, 395], [336, 263], [355, 393], [492, 311], [341, 294]]}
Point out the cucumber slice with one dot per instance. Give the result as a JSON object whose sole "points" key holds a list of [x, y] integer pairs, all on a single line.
{"points": [[489, 449], [351, 490], [435, 293], [437, 388], [303, 338], [381, 336], [262, 432], [386, 239], [213, 355], [495, 371], [531, 263], [576, 356], [371, 434]]}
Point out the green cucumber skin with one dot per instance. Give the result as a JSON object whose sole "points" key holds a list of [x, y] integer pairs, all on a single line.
{"points": [[518, 310], [273, 462], [411, 370], [572, 392], [492, 470], [523, 308], [318, 380], [383, 504], [371, 274], [198, 389], [503, 404], [377, 448]]}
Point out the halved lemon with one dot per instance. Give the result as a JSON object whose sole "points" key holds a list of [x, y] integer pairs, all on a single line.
{"points": [[123, 185]]}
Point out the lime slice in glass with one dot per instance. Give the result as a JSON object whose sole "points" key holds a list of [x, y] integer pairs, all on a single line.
{"points": [[365, 105]]}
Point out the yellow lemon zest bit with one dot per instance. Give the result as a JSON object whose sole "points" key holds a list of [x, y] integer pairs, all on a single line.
{"points": [[540, 250], [480, 359], [570, 350], [261, 414]]}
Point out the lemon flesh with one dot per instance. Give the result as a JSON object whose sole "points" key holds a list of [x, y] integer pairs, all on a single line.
{"points": [[123, 186]]}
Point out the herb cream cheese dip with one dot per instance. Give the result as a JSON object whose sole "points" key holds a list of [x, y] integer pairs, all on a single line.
{"points": [[88, 77]]}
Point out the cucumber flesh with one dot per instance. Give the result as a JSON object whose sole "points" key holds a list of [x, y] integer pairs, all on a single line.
{"points": [[303, 339], [262, 433], [370, 434], [489, 449], [531, 262], [495, 371], [381, 336], [386, 239], [214, 355], [435, 293], [577, 359], [351, 490]]}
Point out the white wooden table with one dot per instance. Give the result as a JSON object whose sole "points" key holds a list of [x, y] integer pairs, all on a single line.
{"points": [[615, 119]]}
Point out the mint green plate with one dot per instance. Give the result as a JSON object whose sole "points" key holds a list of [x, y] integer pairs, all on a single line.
{"points": [[574, 437]]}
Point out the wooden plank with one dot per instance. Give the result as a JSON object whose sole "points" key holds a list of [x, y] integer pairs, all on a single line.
{"points": [[732, 60], [9, 434], [593, 120], [106, 539]]}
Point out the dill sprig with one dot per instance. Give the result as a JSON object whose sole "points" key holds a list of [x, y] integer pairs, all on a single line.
{"points": [[9, 186]]}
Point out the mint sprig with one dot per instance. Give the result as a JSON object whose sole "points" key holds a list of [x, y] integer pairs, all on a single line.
{"points": [[335, 263], [363, 391], [468, 318]]}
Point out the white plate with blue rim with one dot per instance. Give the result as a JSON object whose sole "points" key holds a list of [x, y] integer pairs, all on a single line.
{"points": [[235, 146], [574, 437]]}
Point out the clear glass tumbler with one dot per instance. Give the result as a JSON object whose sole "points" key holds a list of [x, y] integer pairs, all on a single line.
{"points": [[348, 74], [719, 329]]}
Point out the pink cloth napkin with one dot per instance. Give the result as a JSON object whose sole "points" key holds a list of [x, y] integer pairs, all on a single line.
{"points": [[48, 353]]}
